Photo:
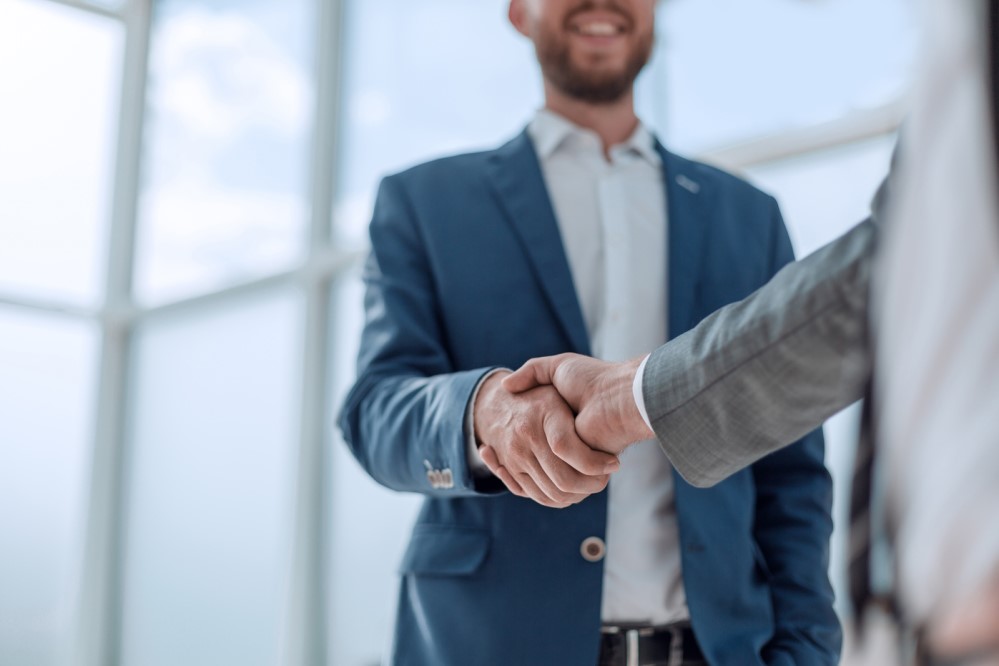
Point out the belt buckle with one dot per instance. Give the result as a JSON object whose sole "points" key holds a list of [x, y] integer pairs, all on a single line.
{"points": [[675, 646], [632, 644], [631, 647]]}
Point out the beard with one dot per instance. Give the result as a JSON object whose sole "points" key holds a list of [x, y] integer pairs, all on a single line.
{"points": [[598, 87]]}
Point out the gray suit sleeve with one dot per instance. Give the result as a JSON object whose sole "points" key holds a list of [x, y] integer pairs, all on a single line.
{"points": [[759, 374]]}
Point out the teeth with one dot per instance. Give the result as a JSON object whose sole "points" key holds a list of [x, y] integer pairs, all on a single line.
{"points": [[598, 29]]}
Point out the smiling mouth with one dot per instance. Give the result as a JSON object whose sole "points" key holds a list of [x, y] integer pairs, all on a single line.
{"points": [[597, 29]]}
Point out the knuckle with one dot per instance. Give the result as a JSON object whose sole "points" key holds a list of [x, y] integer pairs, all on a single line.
{"points": [[520, 449], [559, 443], [522, 430], [554, 398]]}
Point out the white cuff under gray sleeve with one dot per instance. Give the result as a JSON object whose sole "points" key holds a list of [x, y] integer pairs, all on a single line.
{"points": [[636, 390], [475, 464]]}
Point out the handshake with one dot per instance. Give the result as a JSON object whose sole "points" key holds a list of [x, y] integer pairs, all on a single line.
{"points": [[552, 431]]}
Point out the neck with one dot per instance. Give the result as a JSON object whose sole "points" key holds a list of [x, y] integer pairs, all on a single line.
{"points": [[614, 122]]}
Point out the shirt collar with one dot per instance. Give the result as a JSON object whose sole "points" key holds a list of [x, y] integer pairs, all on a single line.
{"points": [[549, 131]]}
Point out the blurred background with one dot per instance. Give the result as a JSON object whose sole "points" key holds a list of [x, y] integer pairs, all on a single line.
{"points": [[185, 187]]}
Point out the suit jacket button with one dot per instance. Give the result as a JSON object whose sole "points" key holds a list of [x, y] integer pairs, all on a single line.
{"points": [[593, 549]]}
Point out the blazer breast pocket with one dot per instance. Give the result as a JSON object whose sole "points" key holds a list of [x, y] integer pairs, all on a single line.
{"points": [[445, 550]]}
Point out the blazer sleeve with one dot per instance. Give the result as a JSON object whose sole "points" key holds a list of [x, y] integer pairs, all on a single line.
{"points": [[405, 415], [792, 528], [759, 374]]}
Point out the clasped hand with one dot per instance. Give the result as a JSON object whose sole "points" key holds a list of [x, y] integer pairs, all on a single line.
{"points": [[553, 430]]}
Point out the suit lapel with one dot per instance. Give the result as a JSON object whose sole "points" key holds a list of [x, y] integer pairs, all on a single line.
{"points": [[516, 176], [687, 209]]}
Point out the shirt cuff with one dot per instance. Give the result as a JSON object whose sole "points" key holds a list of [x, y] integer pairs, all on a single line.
{"points": [[476, 466], [636, 391]]}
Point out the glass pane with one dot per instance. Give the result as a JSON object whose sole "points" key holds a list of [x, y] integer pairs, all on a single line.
{"points": [[408, 98], [370, 524], [737, 70], [823, 194], [113, 5], [47, 392], [211, 488], [59, 82], [225, 195]]}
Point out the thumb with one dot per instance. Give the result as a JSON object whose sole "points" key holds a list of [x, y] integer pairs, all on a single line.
{"points": [[534, 373]]}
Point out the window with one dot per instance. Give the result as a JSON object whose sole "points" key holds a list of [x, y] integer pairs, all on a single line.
{"points": [[57, 129], [48, 390], [225, 184], [185, 188]]}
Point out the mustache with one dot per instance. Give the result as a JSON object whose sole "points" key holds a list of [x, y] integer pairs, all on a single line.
{"points": [[606, 5]]}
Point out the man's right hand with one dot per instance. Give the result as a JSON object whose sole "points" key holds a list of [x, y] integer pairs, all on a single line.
{"points": [[600, 393], [529, 441]]}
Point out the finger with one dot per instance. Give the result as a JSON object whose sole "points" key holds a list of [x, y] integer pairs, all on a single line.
{"points": [[548, 486], [489, 457], [592, 425], [529, 482], [534, 373], [565, 444], [559, 432], [522, 485], [521, 461], [504, 475], [572, 484]]}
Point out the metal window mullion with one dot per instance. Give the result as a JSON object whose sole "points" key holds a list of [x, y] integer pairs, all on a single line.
{"points": [[98, 626], [322, 267], [106, 12], [48, 307], [850, 128], [305, 626]]}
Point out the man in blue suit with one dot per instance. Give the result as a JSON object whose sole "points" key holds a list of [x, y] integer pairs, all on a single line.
{"points": [[581, 234]]}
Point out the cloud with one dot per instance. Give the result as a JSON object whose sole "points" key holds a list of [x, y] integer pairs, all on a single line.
{"points": [[219, 74], [202, 237]]}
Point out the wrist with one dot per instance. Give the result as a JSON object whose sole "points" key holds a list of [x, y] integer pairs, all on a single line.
{"points": [[489, 393], [631, 421]]}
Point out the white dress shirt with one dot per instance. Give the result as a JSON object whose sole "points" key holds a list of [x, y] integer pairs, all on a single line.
{"points": [[612, 218]]}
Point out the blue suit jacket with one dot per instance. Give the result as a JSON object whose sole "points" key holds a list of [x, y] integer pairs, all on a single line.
{"points": [[467, 272]]}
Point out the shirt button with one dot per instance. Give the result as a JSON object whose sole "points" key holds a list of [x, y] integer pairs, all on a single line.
{"points": [[593, 549]]}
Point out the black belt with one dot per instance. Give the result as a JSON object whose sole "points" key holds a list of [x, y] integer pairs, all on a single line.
{"points": [[643, 645]]}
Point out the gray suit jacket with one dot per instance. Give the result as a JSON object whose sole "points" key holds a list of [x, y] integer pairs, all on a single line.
{"points": [[761, 373]]}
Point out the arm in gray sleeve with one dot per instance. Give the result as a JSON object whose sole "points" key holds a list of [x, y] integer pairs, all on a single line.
{"points": [[761, 373]]}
